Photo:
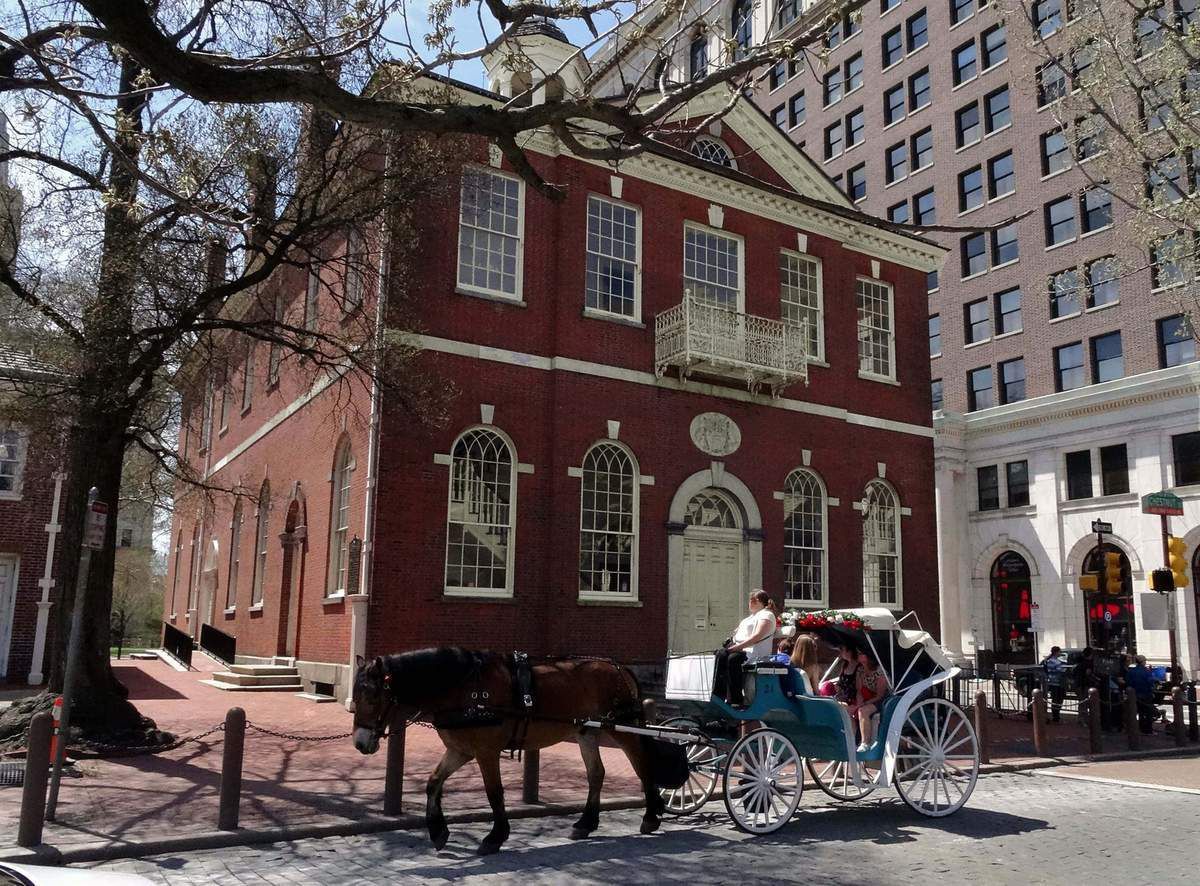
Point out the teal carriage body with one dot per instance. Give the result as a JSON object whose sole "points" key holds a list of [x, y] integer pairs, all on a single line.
{"points": [[925, 745]]}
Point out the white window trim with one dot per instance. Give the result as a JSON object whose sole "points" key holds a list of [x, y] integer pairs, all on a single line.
{"points": [[516, 297], [636, 316], [823, 603], [898, 606], [891, 374], [17, 492], [617, 596], [818, 357], [262, 546], [505, 593], [334, 566], [741, 241], [236, 521], [720, 143]]}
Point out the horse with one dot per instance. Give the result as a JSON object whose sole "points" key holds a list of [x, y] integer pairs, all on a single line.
{"points": [[470, 698]]}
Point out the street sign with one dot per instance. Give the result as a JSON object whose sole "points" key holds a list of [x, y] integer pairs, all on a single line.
{"points": [[1100, 527], [1168, 504], [94, 525]]}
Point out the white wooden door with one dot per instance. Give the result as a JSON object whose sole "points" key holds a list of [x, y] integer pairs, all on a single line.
{"points": [[710, 599], [8, 597]]}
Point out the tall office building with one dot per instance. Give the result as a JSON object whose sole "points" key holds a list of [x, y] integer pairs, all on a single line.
{"points": [[1064, 390]]}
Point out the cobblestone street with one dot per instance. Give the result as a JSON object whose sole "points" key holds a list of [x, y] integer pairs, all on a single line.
{"points": [[1018, 828]]}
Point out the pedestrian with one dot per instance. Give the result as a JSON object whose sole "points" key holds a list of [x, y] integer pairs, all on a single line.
{"points": [[1056, 673], [1141, 681]]}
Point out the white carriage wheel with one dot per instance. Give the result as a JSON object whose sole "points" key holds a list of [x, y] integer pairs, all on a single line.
{"points": [[834, 778], [764, 780], [704, 764], [937, 761]]}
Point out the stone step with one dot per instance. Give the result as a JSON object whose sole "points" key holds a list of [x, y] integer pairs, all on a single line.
{"points": [[237, 679], [295, 686], [264, 670]]}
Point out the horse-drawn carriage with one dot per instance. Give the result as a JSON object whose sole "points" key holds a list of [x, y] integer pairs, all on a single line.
{"points": [[926, 746]]}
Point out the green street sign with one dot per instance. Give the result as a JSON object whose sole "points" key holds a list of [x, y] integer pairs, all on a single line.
{"points": [[1166, 503]]}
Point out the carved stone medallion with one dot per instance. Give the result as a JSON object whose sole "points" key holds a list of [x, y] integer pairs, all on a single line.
{"points": [[715, 434]]}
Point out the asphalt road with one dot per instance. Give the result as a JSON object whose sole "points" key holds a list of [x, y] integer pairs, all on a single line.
{"points": [[1018, 828]]}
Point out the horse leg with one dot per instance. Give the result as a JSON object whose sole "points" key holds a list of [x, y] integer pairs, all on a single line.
{"points": [[635, 750], [450, 763], [489, 768], [589, 749]]}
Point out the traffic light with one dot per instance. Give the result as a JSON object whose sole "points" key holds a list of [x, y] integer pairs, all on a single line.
{"points": [[1162, 581], [1113, 580], [1176, 561], [1089, 582]]}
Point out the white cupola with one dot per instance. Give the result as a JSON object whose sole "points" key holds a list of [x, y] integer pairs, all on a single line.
{"points": [[536, 51]]}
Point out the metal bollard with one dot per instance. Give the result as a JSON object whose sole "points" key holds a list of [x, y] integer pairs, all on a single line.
{"points": [[1177, 724], [1193, 727], [650, 711], [1038, 711], [981, 728], [393, 778], [1095, 737], [231, 770], [1131, 724], [955, 689], [996, 695], [529, 785], [37, 772]]}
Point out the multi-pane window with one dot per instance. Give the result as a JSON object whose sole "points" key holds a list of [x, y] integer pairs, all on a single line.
{"points": [[886, 6], [936, 394], [856, 125], [920, 91], [789, 11], [1005, 248], [489, 233], [931, 281], [796, 109], [1008, 311], [1056, 152], [712, 151], [1103, 285], [935, 335], [896, 162], [965, 63], [1083, 60], [235, 554], [12, 460], [893, 104], [834, 139], [1064, 293], [995, 46], [977, 321], [966, 125], [987, 482], [1016, 476], [961, 10], [248, 374], [974, 254], [801, 299], [997, 109], [1156, 103], [206, 415], [922, 149], [970, 189], [1002, 179], [312, 300], [1171, 261], [1176, 342], [779, 116], [1079, 474], [917, 28], [899, 213], [275, 350], [1165, 180], [924, 208], [876, 331], [1090, 134], [881, 545], [480, 514], [853, 72], [1185, 450], [804, 538], [742, 17], [1108, 361], [611, 278], [1069, 371], [355, 273], [1150, 29], [712, 267], [979, 389], [698, 57], [1051, 83], [892, 46], [339, 522], [1047, 16], [1012, 380], [778, 75], [1095, 209], [608, 522], [1114, 469], [832, 86], [261, 537], [1059, 217]]}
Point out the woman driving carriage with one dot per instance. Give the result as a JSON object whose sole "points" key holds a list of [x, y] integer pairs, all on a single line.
{"points": [[754, 638]]}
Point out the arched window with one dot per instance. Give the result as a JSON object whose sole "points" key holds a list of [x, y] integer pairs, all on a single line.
{"points": [[481, 515], [881, 545], [194, 566], [742, 20], [713, 150], [260, 543], [1012, 609], [175, 571], [339, 520], [804, 555], [235, 554], [712, 509], [608, 522]]}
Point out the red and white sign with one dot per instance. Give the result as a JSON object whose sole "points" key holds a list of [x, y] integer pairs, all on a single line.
{"points": [[94, 525]]}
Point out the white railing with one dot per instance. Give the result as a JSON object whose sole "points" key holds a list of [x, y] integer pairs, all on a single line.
{"points": [[697, 336]]}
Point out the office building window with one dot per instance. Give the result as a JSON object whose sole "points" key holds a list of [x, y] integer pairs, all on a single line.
{"points": [[1108, 361], [1004, 245], [1047, 16], [779, 116], [743, 28], [1176, 341], [698, 57], [1059, 216], [961, 10], [833, 140], [892, 46], [832, 89], [924, 208], [935, 392], [778, 75], [1069, 371], [974, 255], [893, 104], [1064, 293], [853, 72], [979, 389], [995, 46], [1079, 474], [896, 162], [965, 63], [1051, 83], [935, 335], [918, 31], [922, 149], [966, 125], [1186, 451], [920, 93], [789, 11], [1149, 29], [977, 321], [856, 124], [1056, 152], [1008, 311], [1114, 470], [856, 182], [1012, 380], [1103, 285], [886, 6], [1001, 177], [1090, 133], [796, 109], [1095, 209], [970, 189], [1017, 477], [987, 479], [931, 282], [1171, 261], [899, 213], [998, 109], [1165, 181]]}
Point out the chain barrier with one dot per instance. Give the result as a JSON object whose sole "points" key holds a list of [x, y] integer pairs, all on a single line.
{"points": [[293, 736], [101, 748]]}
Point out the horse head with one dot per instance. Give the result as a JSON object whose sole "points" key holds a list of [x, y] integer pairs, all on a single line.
{"points": [[374, 703]]}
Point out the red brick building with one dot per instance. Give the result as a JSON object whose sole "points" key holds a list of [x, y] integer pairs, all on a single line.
{"points": [[698, 374]]}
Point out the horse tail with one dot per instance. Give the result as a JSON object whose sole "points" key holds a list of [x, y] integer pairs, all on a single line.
{"points": [[668, 762]]}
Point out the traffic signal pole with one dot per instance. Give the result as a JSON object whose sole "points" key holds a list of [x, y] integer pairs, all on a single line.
{"points": [[1166, 542]]}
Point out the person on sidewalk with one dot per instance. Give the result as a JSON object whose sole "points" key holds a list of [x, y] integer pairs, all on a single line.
{"points": [[1056, 674], [1141, 681], [753, 639]]}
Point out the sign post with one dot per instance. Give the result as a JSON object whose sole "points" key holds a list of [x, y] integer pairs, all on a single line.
{"points": [[1166, 505]]}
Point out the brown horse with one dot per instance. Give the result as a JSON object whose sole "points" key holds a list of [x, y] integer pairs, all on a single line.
{"points": [[469, 697]]}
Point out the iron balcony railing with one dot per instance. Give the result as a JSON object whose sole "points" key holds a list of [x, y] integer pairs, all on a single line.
{"points": [[697, 336]]}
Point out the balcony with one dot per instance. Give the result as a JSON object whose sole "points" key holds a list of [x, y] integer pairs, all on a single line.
{"points": [[698, 337]]}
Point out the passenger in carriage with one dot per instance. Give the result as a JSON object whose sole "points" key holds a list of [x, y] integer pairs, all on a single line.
{"points": [[872, 688], [804, 658]]}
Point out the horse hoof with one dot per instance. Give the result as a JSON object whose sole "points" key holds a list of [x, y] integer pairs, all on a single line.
{"points": [[488, 848], [439, 840], [580, 833], [649, 826]]}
